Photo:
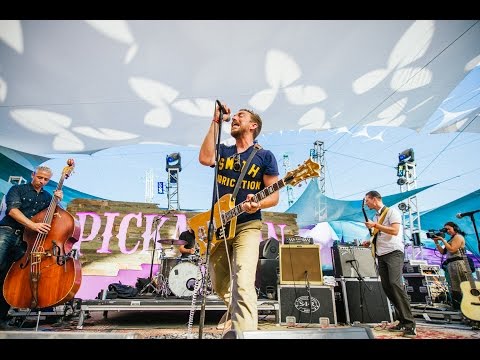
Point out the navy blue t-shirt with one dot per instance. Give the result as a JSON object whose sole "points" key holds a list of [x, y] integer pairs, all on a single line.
{"points": [[263, 163], [25, 198]]}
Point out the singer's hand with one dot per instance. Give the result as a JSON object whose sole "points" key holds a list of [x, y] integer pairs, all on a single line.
{"points": [[226, 113]]}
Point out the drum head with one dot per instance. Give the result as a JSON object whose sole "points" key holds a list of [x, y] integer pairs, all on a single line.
{"points": [[181, 280]]}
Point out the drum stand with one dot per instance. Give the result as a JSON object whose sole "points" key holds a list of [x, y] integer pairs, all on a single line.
{"points": [[162, 279], [154, 281]]}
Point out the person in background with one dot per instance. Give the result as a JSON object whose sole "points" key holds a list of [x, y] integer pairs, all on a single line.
{"points": [[389, 249], [456, 268], [23, 202], [237, 289], [187, 250]]}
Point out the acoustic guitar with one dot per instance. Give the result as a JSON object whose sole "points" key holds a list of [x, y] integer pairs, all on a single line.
{"points": [[225, 212], [470, 305]]}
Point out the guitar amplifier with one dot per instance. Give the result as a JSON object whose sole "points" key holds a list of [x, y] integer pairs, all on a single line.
{"points": [[300, 264], [353, 261], [299, 240]]}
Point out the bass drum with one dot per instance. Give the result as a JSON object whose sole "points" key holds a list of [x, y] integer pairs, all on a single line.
{"points": [[181, 279]]}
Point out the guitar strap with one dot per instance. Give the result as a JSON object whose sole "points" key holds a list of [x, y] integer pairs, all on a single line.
{"points": [[256, 147], [376, 231]]}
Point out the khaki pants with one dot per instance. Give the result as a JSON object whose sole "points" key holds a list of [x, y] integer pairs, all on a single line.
{"points": [[243, 251]]}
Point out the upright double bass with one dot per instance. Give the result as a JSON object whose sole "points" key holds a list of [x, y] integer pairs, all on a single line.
{"points": [[49, 273]]}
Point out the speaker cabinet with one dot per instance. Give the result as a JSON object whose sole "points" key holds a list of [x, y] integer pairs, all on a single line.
{"points": [[267, 278], [269, 249], [362, 301], [353, 261], [300, 263], [295, 301]]}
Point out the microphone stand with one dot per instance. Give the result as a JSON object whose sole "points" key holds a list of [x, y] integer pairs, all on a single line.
{"points": [[307, 282], [361, 283], [475, 228], [211, 228], [150, 277]]}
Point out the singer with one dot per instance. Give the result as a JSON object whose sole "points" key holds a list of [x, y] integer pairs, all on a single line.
{"points": [[240, 253], [455, 266]]}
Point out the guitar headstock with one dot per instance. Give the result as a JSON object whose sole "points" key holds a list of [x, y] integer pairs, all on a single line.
{"points": [[67, 170], [308, 169]]}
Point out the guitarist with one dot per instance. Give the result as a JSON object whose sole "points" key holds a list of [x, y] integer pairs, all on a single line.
{"points": [[23, 202], [456, 267], [389, 248], [237, 289]]}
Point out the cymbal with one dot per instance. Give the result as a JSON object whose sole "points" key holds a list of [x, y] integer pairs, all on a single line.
{"points": [[172, 241]]}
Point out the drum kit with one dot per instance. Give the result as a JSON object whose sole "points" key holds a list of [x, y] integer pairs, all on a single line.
{"points": [[176, 275]]}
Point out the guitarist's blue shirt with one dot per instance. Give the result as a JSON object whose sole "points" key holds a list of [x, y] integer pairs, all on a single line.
{"points": [[263, 163]]}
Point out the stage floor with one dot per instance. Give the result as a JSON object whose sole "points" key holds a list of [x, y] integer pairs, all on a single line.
{"points": [[171, 318]]}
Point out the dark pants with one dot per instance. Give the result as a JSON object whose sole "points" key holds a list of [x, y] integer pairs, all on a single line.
{"points": [[12, 248], [390, 268]]}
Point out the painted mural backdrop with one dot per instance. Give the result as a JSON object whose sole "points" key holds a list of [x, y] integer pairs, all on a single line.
{"points": [[119, 241]]}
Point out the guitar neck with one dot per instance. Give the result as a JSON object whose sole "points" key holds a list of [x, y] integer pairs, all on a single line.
{"points": [[237, 210], [366, 217]]}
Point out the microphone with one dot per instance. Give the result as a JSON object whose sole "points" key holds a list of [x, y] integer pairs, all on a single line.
{"points": [[468, 213], [222, 110]]}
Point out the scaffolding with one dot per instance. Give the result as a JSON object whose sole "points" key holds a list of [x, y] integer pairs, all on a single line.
{"points": [[172, 189], [317, 154], [149, 186], [173, 166], [407, 180]]}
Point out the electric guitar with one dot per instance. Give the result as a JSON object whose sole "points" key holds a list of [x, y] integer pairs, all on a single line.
{"points": [[370, 231], [225, 212], [470, 305]]}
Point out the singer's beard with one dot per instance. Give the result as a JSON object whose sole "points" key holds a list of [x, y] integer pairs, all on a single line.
{"points": [[238, 132]]}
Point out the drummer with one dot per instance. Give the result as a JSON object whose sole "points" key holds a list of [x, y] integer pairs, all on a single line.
{"points": [[187, 250]]}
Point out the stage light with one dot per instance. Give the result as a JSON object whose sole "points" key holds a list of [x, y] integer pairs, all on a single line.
{"points": [[401, 181], [406, 155], [174, 161], [403, 207]]}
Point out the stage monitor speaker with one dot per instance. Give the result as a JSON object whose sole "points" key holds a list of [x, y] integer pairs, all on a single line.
{"points": [[362, 301], [355, 332], [299, 263], [267, 278], [353, 261], [269, 249]]}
